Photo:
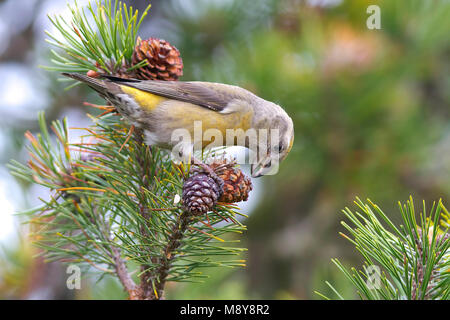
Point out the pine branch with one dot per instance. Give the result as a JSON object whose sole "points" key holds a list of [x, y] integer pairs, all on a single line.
{"points": [[413, 258], [112, 197], [123, 275], [147, 278], [173, 244], [113, 203], [106, 45]]}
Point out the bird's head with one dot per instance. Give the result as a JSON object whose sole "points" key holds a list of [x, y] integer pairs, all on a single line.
{"points": [[279, 145]]}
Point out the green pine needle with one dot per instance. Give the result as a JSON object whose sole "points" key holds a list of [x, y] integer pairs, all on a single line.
{"points": [[413, 259], [100, 37], [98, 198]]}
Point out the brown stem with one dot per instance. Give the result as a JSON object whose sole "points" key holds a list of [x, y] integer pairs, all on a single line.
{"points": [[119, 263], [124, 276], [172, 245], [121, 269], [157, 277], [420, 266], [147, 277]]}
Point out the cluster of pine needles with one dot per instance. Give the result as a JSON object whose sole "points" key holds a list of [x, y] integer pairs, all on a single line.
{"points": [[116, 204]]}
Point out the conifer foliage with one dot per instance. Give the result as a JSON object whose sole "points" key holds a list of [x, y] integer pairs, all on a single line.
{"points": [[115, 202]]}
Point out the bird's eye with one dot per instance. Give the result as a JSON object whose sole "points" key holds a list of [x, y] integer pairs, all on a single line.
{"points": [[280, 148]]}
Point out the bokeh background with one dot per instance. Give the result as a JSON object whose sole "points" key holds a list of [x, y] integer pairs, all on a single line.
{"points": [[371, 111]]}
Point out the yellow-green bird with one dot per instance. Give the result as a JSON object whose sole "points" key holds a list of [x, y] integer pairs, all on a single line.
{"points": [[161, 107]]}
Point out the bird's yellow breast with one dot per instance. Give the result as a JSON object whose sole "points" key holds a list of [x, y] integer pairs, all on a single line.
{"points": [[187, 114], [146, 100]]}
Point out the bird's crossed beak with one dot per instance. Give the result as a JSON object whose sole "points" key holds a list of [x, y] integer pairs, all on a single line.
{"points": [[265, 166]]}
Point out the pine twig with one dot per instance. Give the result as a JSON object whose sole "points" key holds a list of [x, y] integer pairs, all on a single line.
{"points": [[146, 276], [431, 284], [412, 258], [123, 275], [173, 244], [115, 193]]}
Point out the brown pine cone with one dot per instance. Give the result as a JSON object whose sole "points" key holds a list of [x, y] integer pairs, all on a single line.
{"points": [[200, 193], [164, 60], [237, 185]]}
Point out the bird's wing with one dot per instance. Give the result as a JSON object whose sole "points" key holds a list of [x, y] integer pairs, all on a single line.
{"points": [[208, 95]]}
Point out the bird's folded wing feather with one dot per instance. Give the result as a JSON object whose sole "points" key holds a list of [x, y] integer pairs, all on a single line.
{"points": [[209, 95]]}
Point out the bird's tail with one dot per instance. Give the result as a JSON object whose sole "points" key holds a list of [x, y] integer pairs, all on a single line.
{"points": [[96, 84]]}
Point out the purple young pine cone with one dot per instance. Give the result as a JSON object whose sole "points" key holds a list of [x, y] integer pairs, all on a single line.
{"points": [[200, 193]]}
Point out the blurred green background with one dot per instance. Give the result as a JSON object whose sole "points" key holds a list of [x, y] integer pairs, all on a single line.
{"points": [[371, 112]]}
